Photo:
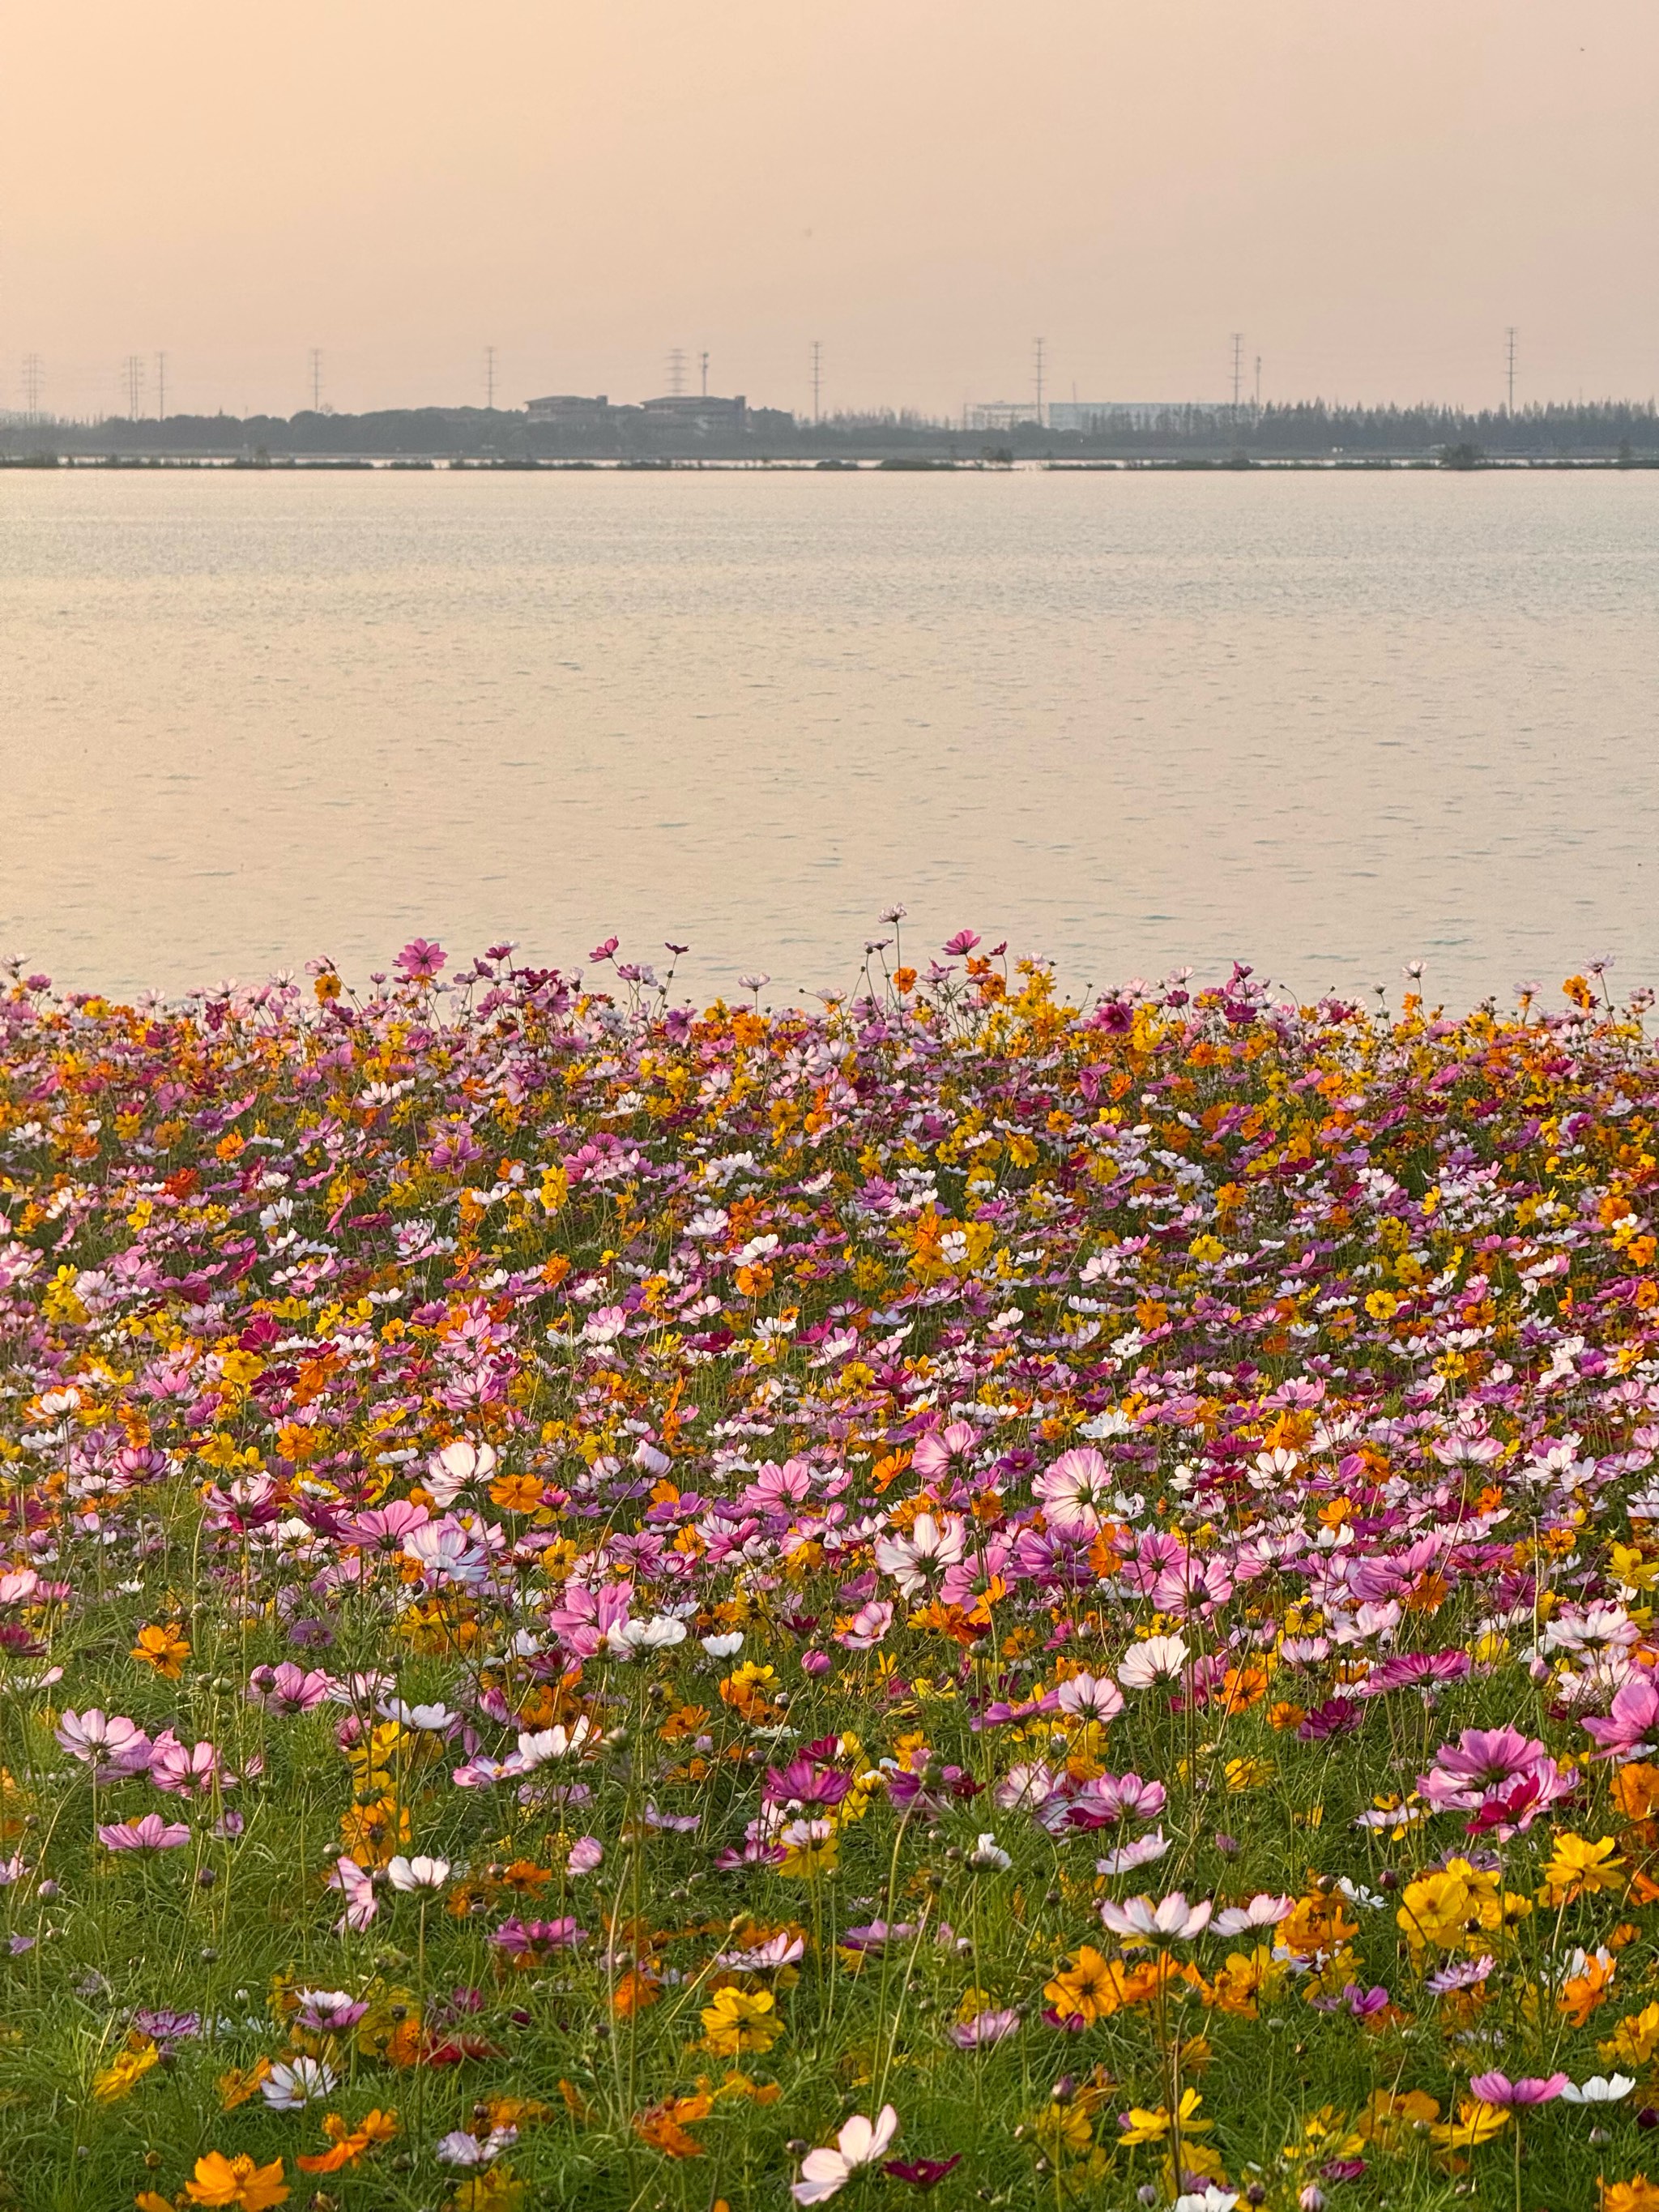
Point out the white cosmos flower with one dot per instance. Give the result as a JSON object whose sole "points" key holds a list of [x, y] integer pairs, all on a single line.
{"points": [[1171, 1919], [860, 2143], [1208, 2199], [1599, 2089], [724, 1647], [435, 1718], [411, 1874], [294, 2083], [628, 1639], [460, 2149], [1262, 1912], [931, 1547], [988, 1856], [1160, 1658], [538, 1746], [457, 1467]]}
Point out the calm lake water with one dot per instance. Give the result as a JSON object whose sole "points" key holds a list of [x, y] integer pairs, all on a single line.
{"points": [[1323, 724]]}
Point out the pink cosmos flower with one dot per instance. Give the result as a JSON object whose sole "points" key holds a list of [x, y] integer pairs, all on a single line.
{"points": [[962, 944], [984, 2030], [152, 1833], [1495, 2088], [943, 1449], [112, 1740], [1090, 1697], [420, 960], [362, 1903], [187, 1770], [288, 1689], [1480, 1757], [1632, 1725], [868, 1626], [1075, 1491], [384, 1527]]}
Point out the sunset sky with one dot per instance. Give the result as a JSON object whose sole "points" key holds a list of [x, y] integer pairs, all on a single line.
{"points": [[1370, 192]]}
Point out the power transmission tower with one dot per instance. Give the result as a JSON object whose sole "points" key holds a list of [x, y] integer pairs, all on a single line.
{"points": [[702, 363], [32, 386], [490, 379], [316, 379], [1509, 352], [1039, 345], [1238, 367], [676, 372], [1258, 387], [134, 373], [818, 380], [161, 388]]}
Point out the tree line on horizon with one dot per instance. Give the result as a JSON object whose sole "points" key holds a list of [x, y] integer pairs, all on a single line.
{"points": [[1300, 429]]}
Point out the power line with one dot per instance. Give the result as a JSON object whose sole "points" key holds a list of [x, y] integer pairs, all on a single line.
{"points": [[489, 377], [1039, 345], [818, 380], [1509, 335]]}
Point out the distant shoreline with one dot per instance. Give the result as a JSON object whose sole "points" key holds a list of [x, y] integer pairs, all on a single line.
{"points": [[798, 464]]}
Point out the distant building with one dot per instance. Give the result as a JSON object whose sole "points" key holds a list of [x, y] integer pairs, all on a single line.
{"points": [[700, 415], [1094, 417], [570, 409], [1001, 414]]}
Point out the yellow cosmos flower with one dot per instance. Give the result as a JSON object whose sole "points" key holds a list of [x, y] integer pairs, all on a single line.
{"points": [[1147, 2127], [1476, 2122], [123, 2077], [1578, 1869], [740, 2020]]}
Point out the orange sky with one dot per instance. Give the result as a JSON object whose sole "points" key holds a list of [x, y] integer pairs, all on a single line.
{"points": [[1369, 192]]}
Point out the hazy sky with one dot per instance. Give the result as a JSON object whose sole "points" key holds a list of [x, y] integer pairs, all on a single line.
{"points": [[1370, 192]]}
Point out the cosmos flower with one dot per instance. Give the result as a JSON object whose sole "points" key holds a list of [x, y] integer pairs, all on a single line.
{"points": [[414, 1877], [151, 1833], [1171, 1920], [1158, 1658], [292, 2084], [860, 2143]]}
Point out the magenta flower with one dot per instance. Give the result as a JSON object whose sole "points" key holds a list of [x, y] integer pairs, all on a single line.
{"points": [[152, 1833], [1495, 2088], [963, 942], [421, 960], [921, 2172], [290, 1689]]}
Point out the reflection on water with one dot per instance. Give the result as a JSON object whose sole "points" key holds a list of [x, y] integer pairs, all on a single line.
{"points": [[1321, 723]]}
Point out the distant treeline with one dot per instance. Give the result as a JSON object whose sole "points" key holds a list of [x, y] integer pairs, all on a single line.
{"points": [[1309, 430]]}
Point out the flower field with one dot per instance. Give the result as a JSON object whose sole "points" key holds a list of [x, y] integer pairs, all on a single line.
{"points": [[955, 1598]]}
